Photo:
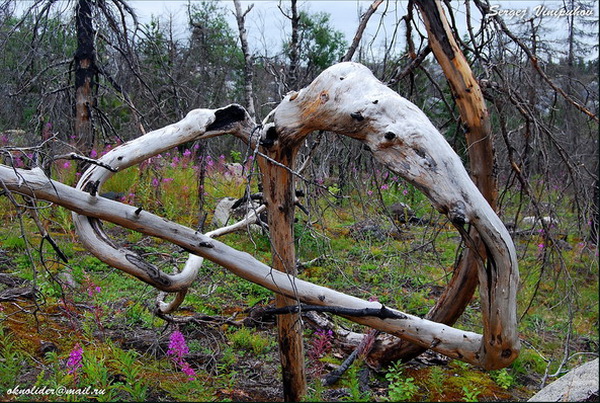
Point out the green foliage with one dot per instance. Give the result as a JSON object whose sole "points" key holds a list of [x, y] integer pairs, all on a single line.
{"points": [[11, 361], [503, 378], [236, 156], [436, 379], [247, 339], [528, 361], [134, 383], [13, 242], [320, 44], [401, 388], [470, 394], [356, 395]]}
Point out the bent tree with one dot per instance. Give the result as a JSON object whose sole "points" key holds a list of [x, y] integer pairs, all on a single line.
{"points": [[346, 99]]}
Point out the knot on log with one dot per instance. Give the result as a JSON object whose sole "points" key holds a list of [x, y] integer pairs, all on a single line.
{"points": [[457, 214]]}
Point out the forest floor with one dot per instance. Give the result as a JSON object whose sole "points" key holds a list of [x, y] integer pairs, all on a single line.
{"points": [[84, 324]]}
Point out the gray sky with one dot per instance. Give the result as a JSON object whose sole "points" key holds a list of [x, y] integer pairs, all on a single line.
{"points": [[266, 27]]}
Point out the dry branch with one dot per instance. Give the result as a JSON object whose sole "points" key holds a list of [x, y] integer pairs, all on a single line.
{"points": [[346, 99]]}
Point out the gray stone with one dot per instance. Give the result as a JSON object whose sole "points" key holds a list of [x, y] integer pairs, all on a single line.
{"points": [[578, 385], [223, 212], [68, 279], [401, 212], [234, 170]]}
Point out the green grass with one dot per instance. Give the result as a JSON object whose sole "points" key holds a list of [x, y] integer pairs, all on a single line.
{"points": [[405, 272]]}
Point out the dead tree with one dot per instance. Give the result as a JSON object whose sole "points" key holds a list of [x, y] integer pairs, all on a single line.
{"points": [[86, 72], [476, 121], [346, 99]]}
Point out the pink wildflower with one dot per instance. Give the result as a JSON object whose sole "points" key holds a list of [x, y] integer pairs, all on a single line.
{"points": [[67, 165], [75, 358], [384, 187], [370, 192], [177, 349], [187, 153], [155, 182], [177, 345], [189, 371], [93, 153]]}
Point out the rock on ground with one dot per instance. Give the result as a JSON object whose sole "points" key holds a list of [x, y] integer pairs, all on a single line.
{"points": [[578, 385], [223, 212]]}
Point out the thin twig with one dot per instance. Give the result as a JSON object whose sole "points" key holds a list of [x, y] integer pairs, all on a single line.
{"points": [[79, 157]]}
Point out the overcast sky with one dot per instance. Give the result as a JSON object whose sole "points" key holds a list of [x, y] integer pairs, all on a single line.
{"points": [[267, 28]]}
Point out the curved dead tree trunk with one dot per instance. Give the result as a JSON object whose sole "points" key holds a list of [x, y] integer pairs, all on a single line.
{"points": [[402, 137], [346, 99], [476, 121]]}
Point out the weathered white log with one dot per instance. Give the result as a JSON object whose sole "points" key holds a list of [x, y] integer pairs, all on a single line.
{"points": [[349, 100], [449, 341], [198, 124], [194, 262]]}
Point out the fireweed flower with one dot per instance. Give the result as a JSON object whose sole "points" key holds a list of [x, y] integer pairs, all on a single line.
{"points": [[177, 349], [93, 289], [321, 343], [75, 358]]}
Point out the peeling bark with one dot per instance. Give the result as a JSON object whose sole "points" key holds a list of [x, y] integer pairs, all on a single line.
{"points": [[279, 196], [475, 118], [399, 135], [85, 77]]}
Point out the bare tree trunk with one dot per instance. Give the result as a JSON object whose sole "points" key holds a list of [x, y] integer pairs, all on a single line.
{"points": [[359, 31], [85, 77], [248, 72], [292, 81], [475, 118], [278, 190], [346, 99], [595, 216]]}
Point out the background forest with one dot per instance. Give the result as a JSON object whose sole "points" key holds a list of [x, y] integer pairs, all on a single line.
{"points": [[87, 75]]}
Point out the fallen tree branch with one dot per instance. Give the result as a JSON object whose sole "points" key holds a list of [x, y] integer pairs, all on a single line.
{"points": [[79, 157], [463, 345], [346, 99], [383, 312], [362, 350]]}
